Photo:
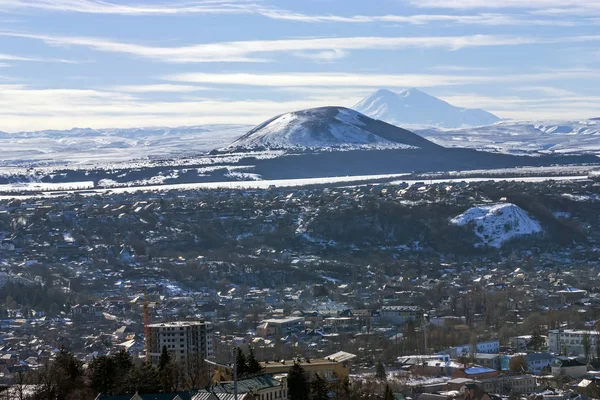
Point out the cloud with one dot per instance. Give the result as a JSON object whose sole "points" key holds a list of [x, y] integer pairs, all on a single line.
{"points": [[349, 80], [247, 51], [483, 4], [159, 88], [545, 90], [323, 56], [24, 108], [260, 8], [12, 57]]}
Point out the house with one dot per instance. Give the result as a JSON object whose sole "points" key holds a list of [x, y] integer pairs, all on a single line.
{"points": [[262, 387], [149, 396], [399, 315], [280, 326], [487, 360], [507, 384], [564, 366], [537, 363], [474, 372]]}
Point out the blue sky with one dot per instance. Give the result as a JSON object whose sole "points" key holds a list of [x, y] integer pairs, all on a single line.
{"points": [[109, 63]]}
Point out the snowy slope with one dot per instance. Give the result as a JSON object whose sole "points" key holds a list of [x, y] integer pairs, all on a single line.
{"points": [[326, 128], [522, 136], [414, 107], [498, 223], [85, 145]]}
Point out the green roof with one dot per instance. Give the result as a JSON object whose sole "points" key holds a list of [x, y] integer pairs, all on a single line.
{"points": [[247, 385]]}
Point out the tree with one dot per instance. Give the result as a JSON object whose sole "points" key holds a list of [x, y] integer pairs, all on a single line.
{"points": [[537, 341], [388, 393], [517, 364], [164, 359], [241, 363], [101, 375], [586, 342], [252, 364], [319, 389], [68, 372], [298, 388], [380, 371]]}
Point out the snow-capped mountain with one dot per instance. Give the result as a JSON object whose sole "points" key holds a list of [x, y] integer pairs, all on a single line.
{"points": [[414, 107], [326, 128], [495, 224], [519, 137]]}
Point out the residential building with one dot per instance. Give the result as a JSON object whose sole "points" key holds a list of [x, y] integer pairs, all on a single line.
{"points": [[332, 368], [399, 315], [572, 341], [190, 342], [537, 363], [280, 326], [507, 384], [263, 387], [564, 366]]}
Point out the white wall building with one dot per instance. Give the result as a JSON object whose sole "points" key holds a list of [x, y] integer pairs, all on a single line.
{"points": [[572, 341]]}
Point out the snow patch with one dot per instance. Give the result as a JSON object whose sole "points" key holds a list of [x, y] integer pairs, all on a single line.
{"points": [[498, 223]]}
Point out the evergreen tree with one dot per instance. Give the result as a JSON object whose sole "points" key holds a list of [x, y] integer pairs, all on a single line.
{"points": [[537, 341], [298, 388], [143, 379], [388, 394], [252, 364], [101, 374], [66, 373], [319, 389], [380, 371], [241, 363], [164, 359]]}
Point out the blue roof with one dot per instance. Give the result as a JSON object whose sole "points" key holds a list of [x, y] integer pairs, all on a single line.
{"points": [[478, 370]]}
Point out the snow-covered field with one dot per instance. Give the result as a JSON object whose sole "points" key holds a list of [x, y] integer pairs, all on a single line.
{"points": [[91, 146], [521, 137], [495, 224], [45, 187]]}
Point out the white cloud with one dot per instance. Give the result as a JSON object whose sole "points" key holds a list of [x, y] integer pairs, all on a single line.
{"points": [[12, 57], [528, 4], [545, 90], [349, 80], [24, 108], [260, 8], [245, 51], [323, 56], [159, 88]]}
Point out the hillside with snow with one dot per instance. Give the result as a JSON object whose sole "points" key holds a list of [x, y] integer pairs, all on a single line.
{"points": [[93, 146], [414, 107], [494, 224], [521, 137], [326, 128]]}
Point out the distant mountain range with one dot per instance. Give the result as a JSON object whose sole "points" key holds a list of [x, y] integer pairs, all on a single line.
{"points": [[327, 128], [414, 107], [522, 137]]}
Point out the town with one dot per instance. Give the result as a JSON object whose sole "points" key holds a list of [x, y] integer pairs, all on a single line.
{"points": [[369, 291]]}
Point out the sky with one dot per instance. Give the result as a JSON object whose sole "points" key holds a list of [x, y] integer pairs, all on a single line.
{"points": [[133, 63]]}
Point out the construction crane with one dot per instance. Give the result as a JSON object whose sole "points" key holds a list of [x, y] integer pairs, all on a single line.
{"points": [[147, 327]]}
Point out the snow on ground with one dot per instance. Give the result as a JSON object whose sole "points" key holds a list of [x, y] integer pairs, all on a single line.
{"points": [[498, 223]]}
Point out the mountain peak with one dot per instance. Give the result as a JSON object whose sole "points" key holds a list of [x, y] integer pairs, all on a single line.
{"points": [[412, 106], [326, 128]]}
